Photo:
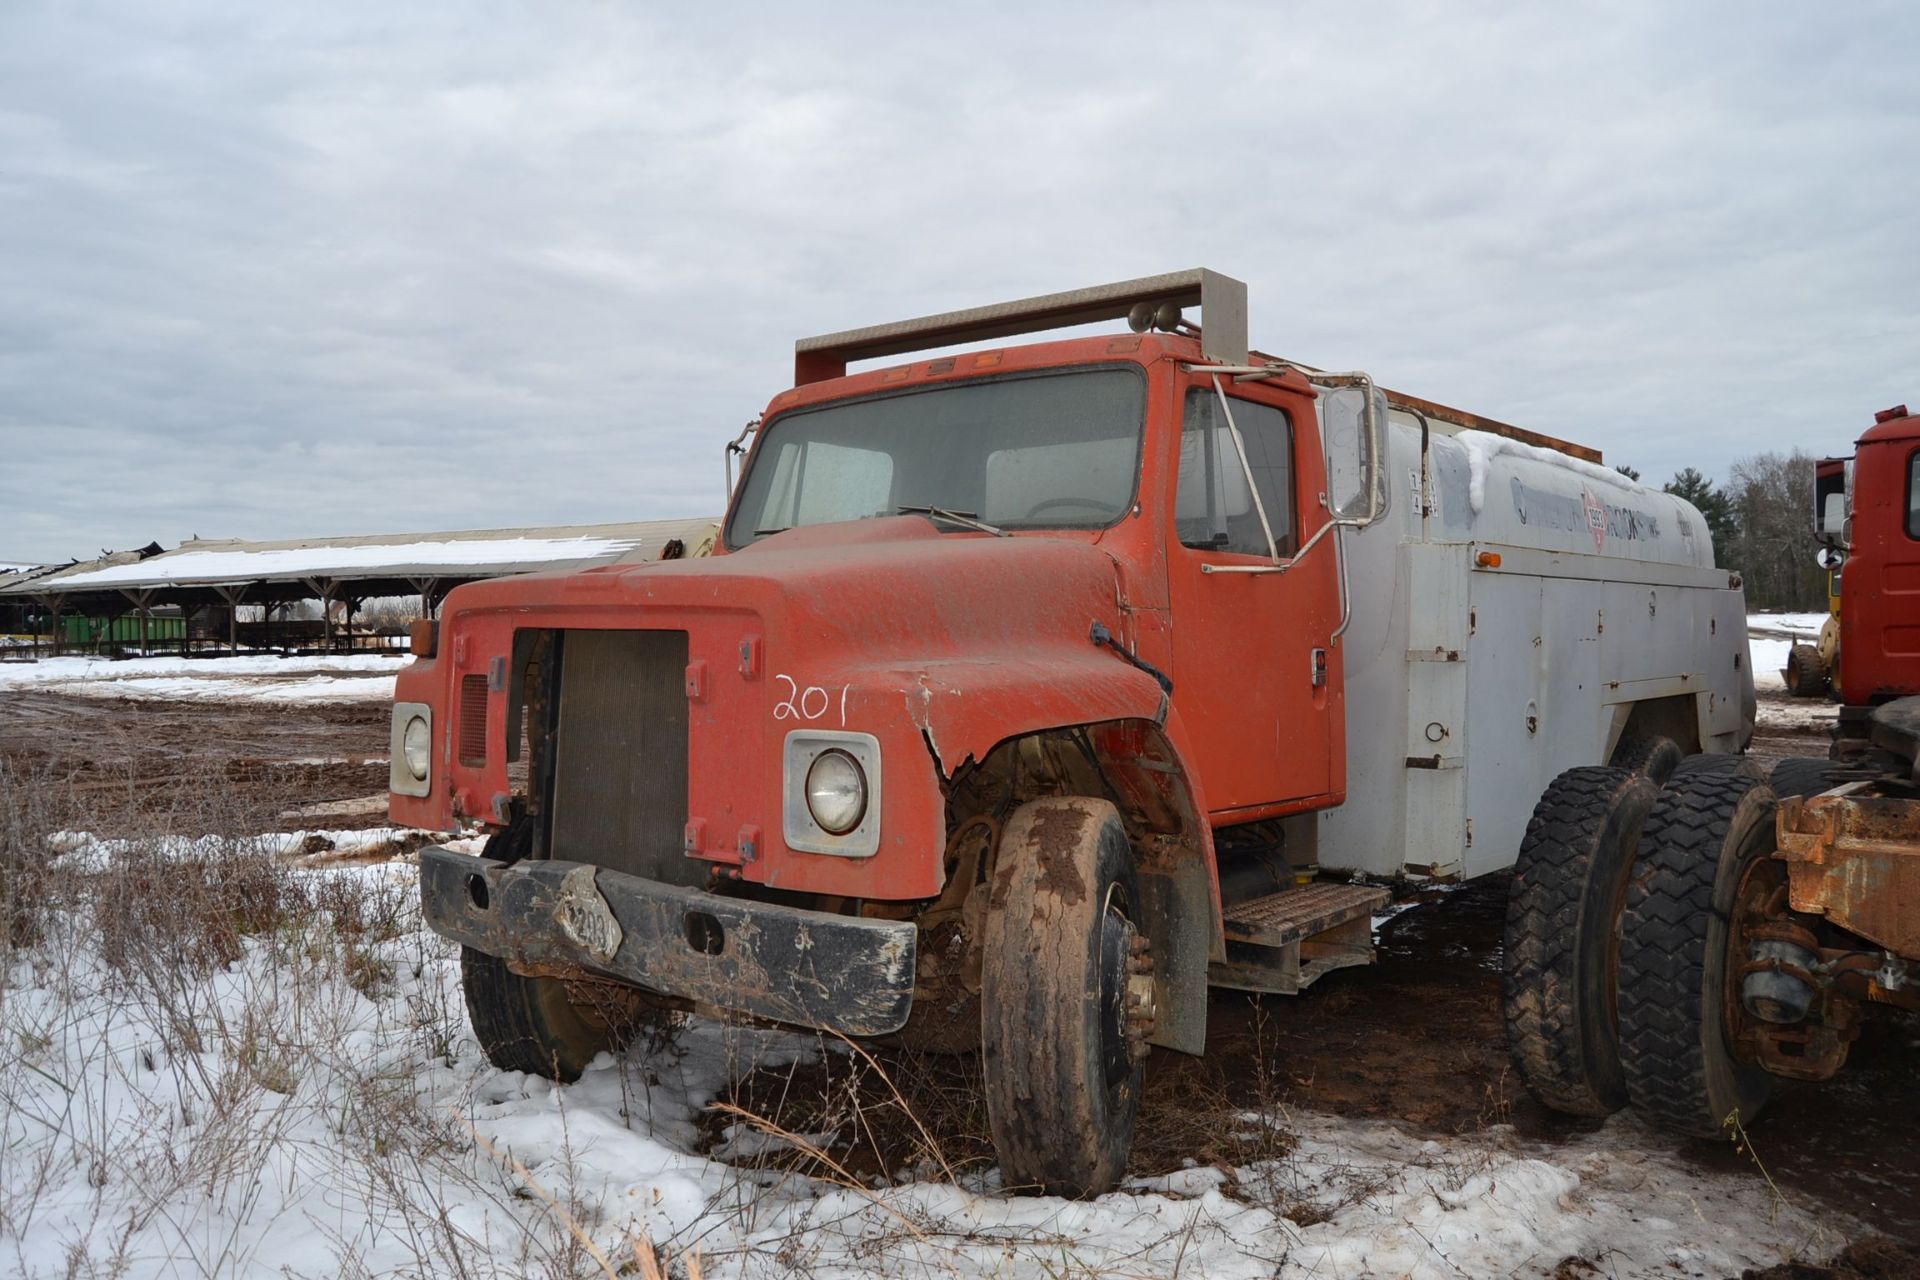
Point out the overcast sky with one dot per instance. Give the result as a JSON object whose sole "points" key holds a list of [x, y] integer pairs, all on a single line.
{"points": [[273, 271]]}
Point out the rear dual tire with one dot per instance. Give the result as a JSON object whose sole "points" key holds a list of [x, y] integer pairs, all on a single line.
{"points": [[1707, 833], [1562, 937]]}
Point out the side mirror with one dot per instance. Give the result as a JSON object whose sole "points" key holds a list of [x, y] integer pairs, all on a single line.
{"points": [[1831, 558], [1833, 515], [1353, 428]]}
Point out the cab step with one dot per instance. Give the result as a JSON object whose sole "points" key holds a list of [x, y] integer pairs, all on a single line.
{"points": [[1286, 941], [1293, 914]]}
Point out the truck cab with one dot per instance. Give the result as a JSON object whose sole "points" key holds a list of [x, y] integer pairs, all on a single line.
{"points": [[1880, 588]]}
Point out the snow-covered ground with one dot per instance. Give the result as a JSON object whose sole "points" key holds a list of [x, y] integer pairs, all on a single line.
{"points": [[319, 1108], [316, 1106], [356, 677]]}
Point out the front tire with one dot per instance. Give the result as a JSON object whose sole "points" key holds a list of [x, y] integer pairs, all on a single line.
{"points": [[542, 1026], [1562, 939], [1706, 834], [1062, 1055]]}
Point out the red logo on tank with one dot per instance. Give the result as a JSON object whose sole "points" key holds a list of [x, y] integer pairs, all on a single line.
{"points": [[1596, 519]]}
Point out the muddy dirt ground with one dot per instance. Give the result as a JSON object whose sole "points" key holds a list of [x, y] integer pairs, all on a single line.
{"points": [[1416, 1039], [306, 765]]}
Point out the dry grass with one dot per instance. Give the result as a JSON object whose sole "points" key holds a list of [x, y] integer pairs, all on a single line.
{"points": [[196, 1029]]}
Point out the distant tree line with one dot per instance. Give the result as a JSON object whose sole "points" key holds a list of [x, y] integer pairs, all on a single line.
{"points": [[1762, 525]]}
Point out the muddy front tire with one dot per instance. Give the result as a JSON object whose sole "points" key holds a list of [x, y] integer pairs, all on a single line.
{"points": [[1706, 834], [1562, 937], [543, 1026], [1061, 1063]]}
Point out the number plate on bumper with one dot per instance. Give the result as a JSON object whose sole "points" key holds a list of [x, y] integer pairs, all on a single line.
{"points": [[841, 973]]}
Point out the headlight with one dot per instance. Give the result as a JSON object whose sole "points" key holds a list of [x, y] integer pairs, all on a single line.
{"points": [[831, 792], [836, 792], [417, 746]]}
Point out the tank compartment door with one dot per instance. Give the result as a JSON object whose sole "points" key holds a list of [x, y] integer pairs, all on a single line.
{"points": [[1517, 743], [1439, 630]]}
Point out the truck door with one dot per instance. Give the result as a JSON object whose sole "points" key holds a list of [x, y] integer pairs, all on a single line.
{"points": [[1880, 609], [1256, 676]]}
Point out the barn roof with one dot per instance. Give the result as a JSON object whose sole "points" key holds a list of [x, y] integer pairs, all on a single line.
{"points": [[374, 564]]}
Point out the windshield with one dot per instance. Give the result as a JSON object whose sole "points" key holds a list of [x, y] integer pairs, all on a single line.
{"points": [[1050, 451]]}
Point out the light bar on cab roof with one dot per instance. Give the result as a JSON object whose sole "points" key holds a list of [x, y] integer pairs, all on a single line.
{"points": [[1221, 299]]}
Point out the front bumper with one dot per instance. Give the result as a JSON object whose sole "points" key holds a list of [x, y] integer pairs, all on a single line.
{"points": [[840, 973]]}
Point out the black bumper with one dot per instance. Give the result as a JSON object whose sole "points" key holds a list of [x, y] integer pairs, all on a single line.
{"points": [[840, 973]]}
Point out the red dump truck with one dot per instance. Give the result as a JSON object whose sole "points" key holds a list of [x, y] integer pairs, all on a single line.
{"points": [[1032, 691]]}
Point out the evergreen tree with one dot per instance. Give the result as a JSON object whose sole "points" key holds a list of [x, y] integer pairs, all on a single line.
{"points": [[1715, 507]]}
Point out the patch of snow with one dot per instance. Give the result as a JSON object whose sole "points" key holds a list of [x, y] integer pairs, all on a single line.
{"points": [[1483, 446], [354, 677], [85, 851], [1800, 626], [203, 566], [309, 1126], [1769, 658]]}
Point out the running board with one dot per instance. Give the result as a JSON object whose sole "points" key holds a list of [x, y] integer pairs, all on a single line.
{"points": [[1286, 941]]}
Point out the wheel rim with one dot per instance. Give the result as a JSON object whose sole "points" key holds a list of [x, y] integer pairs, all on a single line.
{"points": [[1116, 945]]}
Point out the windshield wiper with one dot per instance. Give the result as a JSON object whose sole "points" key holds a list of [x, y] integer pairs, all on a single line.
{"points": [[967, 519]]}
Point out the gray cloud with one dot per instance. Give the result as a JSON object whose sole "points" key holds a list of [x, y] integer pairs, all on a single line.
{"points": [[355, 268]]}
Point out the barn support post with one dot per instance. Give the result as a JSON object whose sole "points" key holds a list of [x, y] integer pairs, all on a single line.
{"points": [[50, 601], [137, 599], [323, 587], [232, 594], [429, 598]]}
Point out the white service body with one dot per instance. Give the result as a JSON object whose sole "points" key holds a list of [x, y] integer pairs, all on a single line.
{"points": [[1471, 684]]}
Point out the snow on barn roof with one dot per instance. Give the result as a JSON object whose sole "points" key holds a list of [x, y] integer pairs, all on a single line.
{"points": [[465, 554]]}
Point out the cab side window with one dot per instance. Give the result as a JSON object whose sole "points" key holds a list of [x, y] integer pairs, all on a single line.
{"points": [[1913, 495], [1214, 510]]}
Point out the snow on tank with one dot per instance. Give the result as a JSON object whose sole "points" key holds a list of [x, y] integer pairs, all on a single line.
{"points": [[1489, 488]]}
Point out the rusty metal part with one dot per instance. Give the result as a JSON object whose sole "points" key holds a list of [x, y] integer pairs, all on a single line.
{"points": [[1801, 1019], [1854, 858], [970, 849], [1141, 1009], [946, 993], [841, 973]]}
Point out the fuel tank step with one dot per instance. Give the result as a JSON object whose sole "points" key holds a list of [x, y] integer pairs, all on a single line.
{"points": [[1281, 919]]}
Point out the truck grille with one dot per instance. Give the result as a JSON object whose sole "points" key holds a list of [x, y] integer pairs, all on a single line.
{"points": [[620, 754]]}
